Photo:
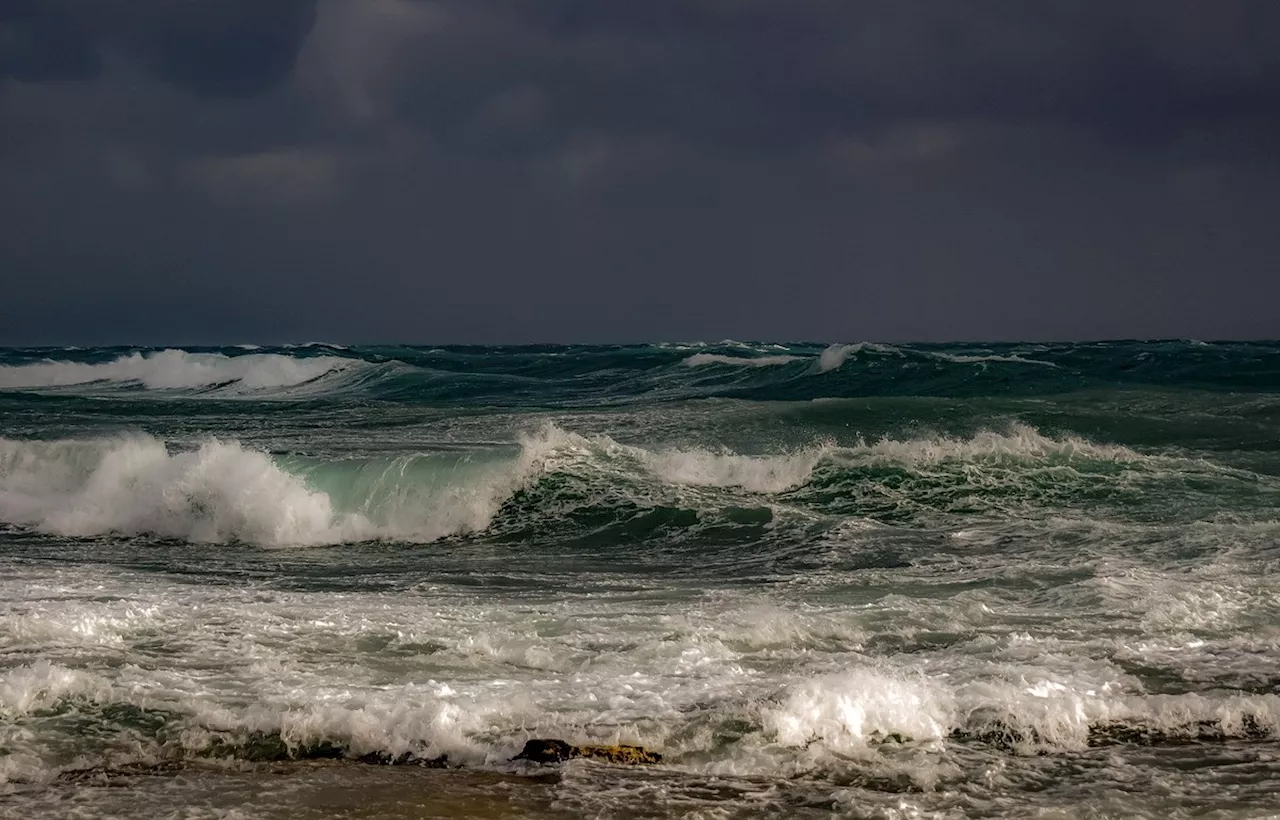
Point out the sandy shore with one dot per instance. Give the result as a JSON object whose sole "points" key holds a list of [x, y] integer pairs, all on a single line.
{"points": [[293, 791]]}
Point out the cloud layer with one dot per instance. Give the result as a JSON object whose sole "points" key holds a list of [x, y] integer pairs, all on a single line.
{"points": [[555, 169]]}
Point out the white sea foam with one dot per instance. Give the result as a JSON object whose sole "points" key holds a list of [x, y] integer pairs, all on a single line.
{"points": [[1034, 707], [134, 485], [429, 718], [559, 449], [480, 717], [176, 369], [786, 471], [757, 474], [305, 666], [222, 491], [702, 359], [1019, 441], [846, 711], [81, 625], [1053, 713], [40, 685]]}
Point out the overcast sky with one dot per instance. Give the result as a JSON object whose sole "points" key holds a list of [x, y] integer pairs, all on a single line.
{"points": [[600, 170]]}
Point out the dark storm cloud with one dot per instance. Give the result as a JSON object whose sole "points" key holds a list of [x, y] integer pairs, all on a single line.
{"points": [[510, 73], [524, 169], [767, 71], [226, 48], [42, 43]]}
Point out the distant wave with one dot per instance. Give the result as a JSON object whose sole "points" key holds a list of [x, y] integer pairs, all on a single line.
{"points": [[176, 369], [553, 376], [701, 359], [835, 356], [330, 345], [962, 358]]}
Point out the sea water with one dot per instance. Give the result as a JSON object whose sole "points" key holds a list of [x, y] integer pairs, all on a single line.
{"points": [[881, 581]]}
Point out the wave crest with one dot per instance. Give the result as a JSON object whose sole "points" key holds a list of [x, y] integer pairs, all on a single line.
{"points": [[223, 491], [134, 485], [1019, 442], [176, 370], [847, 713], [835, 356], [702, 359]]}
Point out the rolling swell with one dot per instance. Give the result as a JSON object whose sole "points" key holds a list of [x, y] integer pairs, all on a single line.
{"points": [[174, 370], [557, 484], [568, 376]]}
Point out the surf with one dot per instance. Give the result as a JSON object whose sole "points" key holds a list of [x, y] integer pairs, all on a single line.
{"points": [[548, 480]]}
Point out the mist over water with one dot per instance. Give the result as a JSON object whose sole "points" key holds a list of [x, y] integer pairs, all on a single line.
{"points": [[888, 581]]}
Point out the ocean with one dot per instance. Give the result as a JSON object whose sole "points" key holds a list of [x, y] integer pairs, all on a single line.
{"points": [[889, 581]]}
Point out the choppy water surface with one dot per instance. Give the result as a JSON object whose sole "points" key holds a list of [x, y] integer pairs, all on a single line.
{"points": [[999, 581]]}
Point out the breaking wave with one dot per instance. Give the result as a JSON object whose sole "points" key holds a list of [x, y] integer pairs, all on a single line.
{"points": [[835, 356], [826, 723], [848, 712], [701, 359], [223, 491], [176, 370]]}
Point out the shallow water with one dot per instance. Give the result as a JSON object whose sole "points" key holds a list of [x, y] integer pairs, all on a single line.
{"points": [[885, 581]]}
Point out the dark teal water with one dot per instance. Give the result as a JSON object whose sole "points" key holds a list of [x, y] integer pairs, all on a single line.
{"points": [[883, 580]]}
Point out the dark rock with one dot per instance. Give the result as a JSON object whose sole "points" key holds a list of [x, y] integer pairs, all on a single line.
{"points": [[546, 751], [549, 750], [406, 759]]}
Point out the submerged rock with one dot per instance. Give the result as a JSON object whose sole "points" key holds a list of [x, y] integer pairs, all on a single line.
{"points": [[550, 750], [405, 759]]}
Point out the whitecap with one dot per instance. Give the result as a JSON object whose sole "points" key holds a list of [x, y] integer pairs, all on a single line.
{"points": [[175, 370], [701, 359]]}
